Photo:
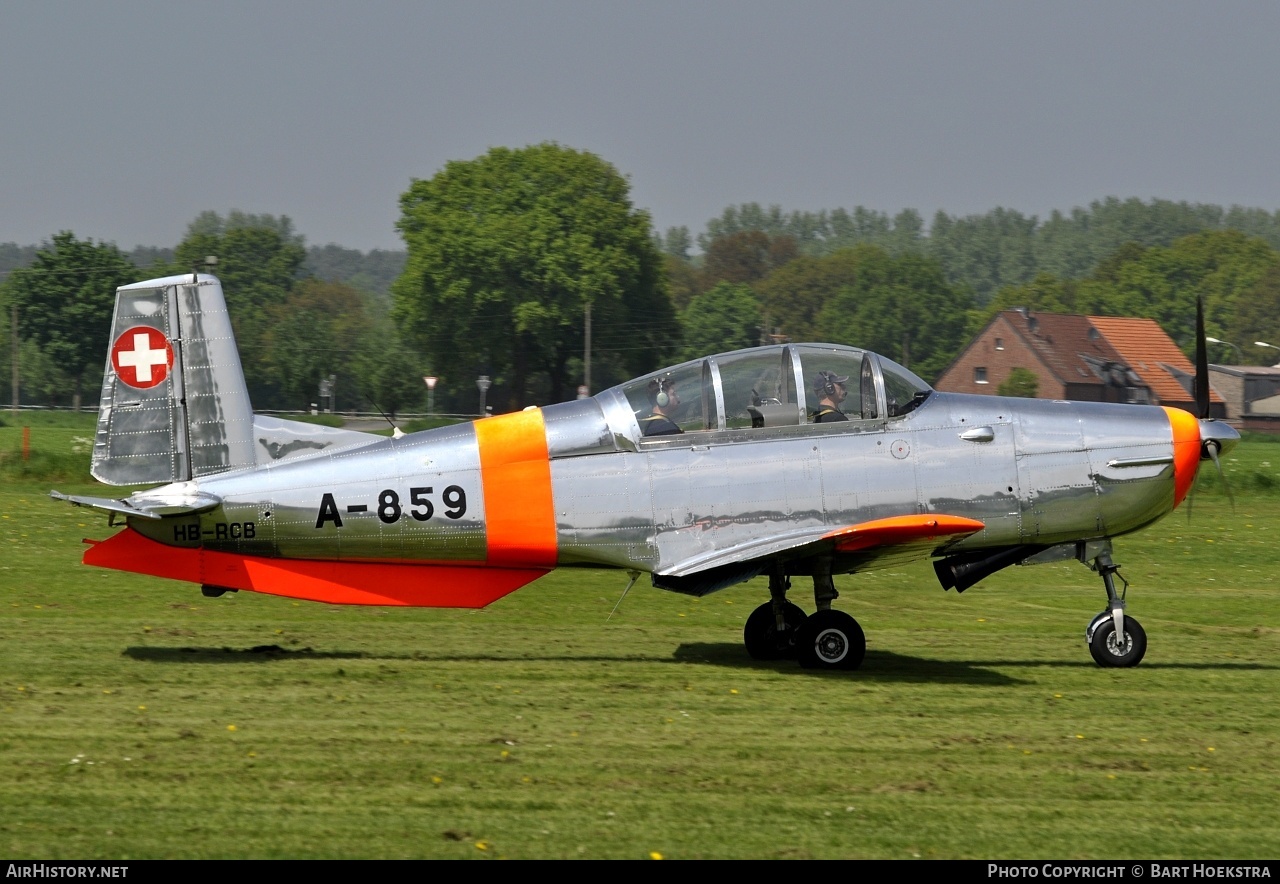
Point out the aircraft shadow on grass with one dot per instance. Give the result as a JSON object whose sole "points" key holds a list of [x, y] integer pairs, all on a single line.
{"points": [[256, 654], [877, 666]]}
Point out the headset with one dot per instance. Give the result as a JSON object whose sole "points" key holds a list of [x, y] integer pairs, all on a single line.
{"points": [[825, 383], [663, 399]]}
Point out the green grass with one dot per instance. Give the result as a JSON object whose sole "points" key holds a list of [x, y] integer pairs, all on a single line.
{"points": [[139, 719]]}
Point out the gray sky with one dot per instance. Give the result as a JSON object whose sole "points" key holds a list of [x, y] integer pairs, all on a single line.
{"points": [[121, 121]]}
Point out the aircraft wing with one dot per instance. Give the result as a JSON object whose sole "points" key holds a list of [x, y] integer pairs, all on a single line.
{"points": [[892, 540], [143, 507]]}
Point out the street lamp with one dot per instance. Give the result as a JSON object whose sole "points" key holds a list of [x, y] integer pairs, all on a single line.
{"points": [[1265, 344], [1239, 352], [431, 395], [483, 383]]}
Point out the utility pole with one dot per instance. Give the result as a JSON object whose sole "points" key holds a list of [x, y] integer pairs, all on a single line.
{"points": [[13, 328], [586, 357]]}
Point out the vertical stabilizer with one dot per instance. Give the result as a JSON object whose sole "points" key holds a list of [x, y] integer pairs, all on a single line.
{"points": [[174, 402]]}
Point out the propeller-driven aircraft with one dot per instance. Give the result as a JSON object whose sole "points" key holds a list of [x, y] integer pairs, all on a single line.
{"points": [[795, 460]]}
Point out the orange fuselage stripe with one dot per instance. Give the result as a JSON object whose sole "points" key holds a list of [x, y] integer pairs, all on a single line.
{"points": [[519, 513], [1186, 451]]}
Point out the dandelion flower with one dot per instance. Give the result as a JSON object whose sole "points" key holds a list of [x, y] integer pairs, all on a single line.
{"points": [[231, 727], [653, 854]]}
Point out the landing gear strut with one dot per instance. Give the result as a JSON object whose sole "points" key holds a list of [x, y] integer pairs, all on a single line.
{"points": [[1114, 638]]}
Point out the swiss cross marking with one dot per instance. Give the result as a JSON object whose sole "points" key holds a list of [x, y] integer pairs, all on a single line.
{"points": [[142, 357]]}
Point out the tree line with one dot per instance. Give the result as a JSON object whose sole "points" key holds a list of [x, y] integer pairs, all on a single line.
{"points": [[516, 259]]}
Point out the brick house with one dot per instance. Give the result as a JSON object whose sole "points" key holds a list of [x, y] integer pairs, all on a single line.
{"points": [[1085, 358]]}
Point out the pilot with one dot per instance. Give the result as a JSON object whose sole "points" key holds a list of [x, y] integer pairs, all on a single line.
{"points": [[663, 400], [831, 391]]}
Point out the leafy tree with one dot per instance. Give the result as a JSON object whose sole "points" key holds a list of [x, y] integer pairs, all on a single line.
{"points": [[746, 256], [683, 280], [677, 243], [259, 260], [1162, 283], [506, 254], [372, 272], [1044, 294], [391, 376], [985, 252], [793, 295], [65, 299], [725, 318], [13, 256], [1257, 317], [1021, 382], [320, 330], [902, 307]]}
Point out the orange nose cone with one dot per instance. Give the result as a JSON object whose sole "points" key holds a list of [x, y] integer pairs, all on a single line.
{"points": [[1186, 451]]}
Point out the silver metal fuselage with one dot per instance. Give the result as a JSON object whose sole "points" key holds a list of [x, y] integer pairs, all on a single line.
{"points": [[1032, 471]]}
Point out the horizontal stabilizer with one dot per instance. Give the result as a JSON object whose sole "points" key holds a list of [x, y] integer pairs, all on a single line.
{"points": [[143, 507], [336, 582]]}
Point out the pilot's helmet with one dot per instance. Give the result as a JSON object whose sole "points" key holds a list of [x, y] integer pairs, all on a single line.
{"points": [[825, 383]]}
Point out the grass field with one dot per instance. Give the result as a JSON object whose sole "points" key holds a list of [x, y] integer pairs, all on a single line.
{"points": [[139, 719]]}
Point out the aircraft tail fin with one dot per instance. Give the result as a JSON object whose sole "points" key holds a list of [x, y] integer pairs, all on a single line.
{"points": [[174, 402]]}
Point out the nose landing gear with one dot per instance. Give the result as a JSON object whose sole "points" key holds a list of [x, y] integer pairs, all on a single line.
{"points": [[1114, 638]]}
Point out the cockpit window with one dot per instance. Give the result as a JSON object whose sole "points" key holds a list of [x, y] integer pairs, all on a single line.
{"points": [[833, 387], [759, 389], [903, 390], [673, 401]]}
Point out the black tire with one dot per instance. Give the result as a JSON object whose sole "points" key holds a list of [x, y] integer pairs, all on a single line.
{"points": [[830, 640], [761, 636], [1108, 651]]}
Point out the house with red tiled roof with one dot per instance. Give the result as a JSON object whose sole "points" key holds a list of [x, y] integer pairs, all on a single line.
{"points": [[1085, 358], [1157, 360]]}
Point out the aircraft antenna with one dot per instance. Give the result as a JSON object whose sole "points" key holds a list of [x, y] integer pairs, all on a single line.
{"points": [[396, 432], [635, 575]]}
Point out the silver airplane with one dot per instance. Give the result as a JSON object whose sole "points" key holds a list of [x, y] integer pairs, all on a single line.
{"points": [[807, 460]]}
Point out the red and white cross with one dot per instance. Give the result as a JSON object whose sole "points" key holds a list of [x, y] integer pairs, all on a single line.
{"points": [[142, 357]]}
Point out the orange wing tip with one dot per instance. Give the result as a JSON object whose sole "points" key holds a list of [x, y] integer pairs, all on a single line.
{"points": [[901, 529], [338, 583]]}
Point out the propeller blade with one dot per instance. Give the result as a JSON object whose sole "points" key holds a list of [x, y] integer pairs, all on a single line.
{"points": [[1213, 454], [1202, 363]]}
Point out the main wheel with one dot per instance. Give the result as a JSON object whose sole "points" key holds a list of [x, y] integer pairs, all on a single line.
{"points": [[830, 640], [761, 635], [1111, 650]]}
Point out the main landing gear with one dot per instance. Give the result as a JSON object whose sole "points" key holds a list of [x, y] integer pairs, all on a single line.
{"points": [[1115, 639], [778, 629]]}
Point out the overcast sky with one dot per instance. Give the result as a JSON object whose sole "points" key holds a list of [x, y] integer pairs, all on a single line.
{"points": [[123, 120]]}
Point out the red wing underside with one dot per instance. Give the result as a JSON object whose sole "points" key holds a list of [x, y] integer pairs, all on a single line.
{"points": [[338, 583]]}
